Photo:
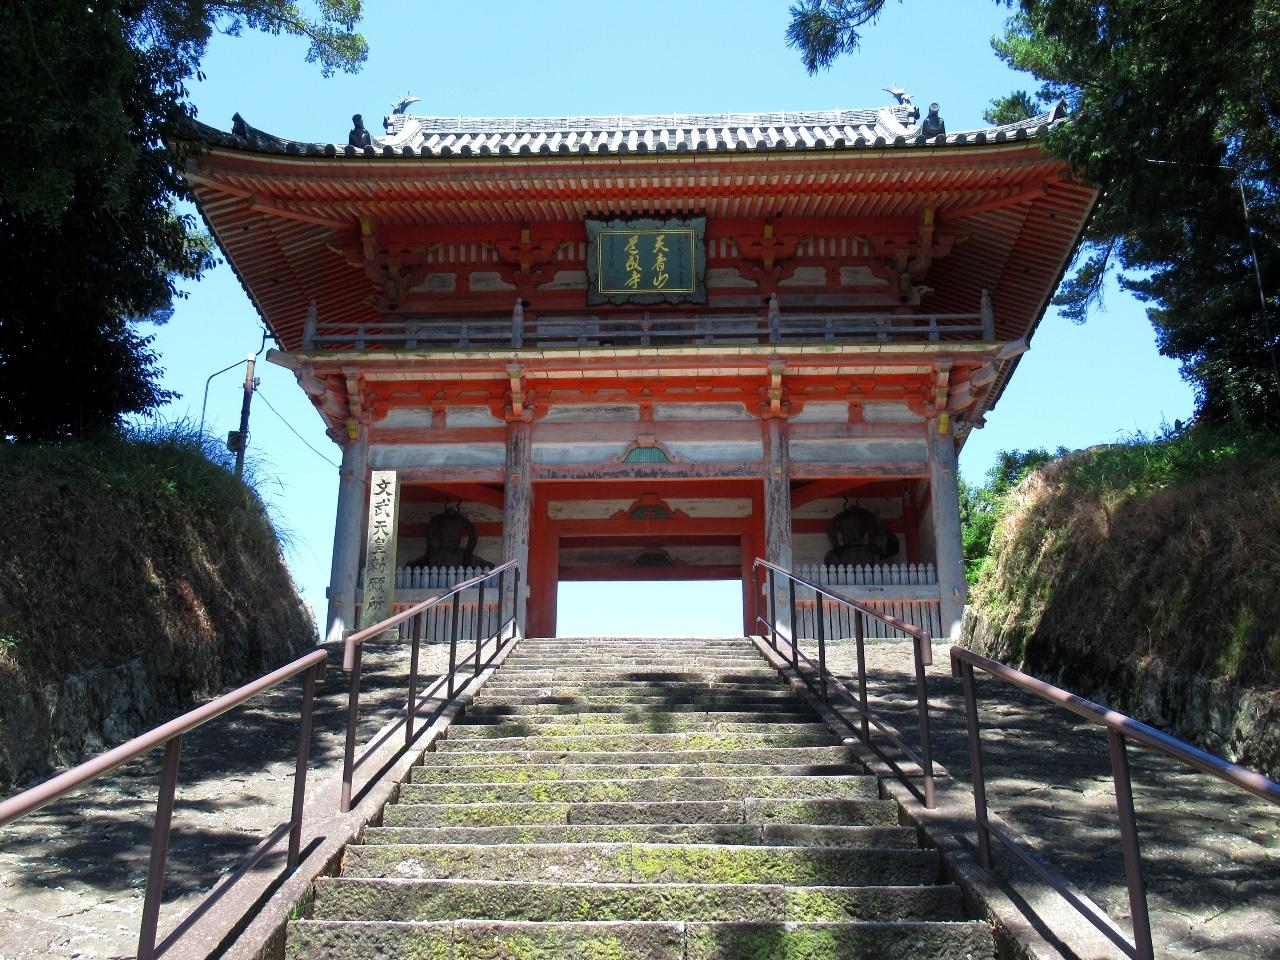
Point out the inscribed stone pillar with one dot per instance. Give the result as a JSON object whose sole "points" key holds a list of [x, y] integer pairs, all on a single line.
{"points": [[517, 504], [380, 548], [945, 510], [348, 534]]}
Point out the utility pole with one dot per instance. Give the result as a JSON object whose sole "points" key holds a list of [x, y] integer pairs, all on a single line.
{"points": [[239, 440]]}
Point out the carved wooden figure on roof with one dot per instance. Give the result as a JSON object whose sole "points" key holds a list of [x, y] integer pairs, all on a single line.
{"points": [[359, 136]]}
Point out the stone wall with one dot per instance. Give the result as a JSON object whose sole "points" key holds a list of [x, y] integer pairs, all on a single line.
{"points": [[1235, 721]]}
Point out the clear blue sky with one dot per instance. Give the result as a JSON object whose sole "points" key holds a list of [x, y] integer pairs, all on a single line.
{"points": [[1079, 385]]}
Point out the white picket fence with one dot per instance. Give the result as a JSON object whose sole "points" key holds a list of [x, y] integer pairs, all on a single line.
{"points": [[434, 578], [907, 591], [415, 584]]}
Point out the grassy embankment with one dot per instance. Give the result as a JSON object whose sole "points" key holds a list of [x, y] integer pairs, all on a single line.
{"points": [[1146, 573], [136, 574]]}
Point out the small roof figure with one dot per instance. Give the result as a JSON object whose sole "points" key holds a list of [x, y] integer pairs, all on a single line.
{"points": [[359, 136], [933, 125]]}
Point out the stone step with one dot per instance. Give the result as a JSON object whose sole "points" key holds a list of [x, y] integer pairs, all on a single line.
{"points": [[340, 898], [631, 791], [529, 773], [679, 719], [757, 674], [517, 665], [609, 726], [747, 834], [639, 940], [645, 863], [643, 741], [610, 693], [487, 707], [830, 812], [766, 755]]}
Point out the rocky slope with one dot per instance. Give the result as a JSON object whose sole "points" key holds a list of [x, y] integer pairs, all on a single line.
{"points": [[135, 576], [1151, 591]]}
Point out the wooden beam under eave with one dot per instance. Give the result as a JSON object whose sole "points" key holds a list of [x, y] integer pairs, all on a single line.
{"points": [[470, 493], [648, 471], [434, 475]]}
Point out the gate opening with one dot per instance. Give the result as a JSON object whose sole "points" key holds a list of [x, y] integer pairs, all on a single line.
{"points": [[649, 608]]}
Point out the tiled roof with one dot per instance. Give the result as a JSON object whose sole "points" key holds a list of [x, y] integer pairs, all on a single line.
{"points": [[426, 136]]}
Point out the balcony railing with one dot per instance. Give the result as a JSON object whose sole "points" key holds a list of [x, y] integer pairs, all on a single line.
{"points": [[643, 329]]}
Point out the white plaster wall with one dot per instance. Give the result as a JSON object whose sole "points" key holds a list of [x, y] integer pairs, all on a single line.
{"points": [[716, 451], [701, 411], [576, 452], [403, 456], [470, 417], [407, 417], [889, 411], [826, 411], [589, 413], [859, 451]]}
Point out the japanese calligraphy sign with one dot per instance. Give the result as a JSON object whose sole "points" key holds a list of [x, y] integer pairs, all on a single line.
{"points": [[380, 548], [646, 261]]}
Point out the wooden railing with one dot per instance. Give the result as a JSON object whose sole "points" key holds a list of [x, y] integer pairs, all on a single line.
{"points": [[643, 328], [903, 591]]}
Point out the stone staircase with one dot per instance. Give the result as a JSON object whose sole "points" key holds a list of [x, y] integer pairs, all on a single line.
{"points": [[612, 798]]}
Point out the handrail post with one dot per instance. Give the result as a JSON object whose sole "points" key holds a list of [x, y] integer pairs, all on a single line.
{"points": [[926, 741], [795, 635], [517, 628], [300, 770], [820, 628], [453, 639], [479, 625], [159, 848], [975, 763], [502, 602], [773, 608], [349, 751], [411, 708], [859, 632], [1144, 948]]}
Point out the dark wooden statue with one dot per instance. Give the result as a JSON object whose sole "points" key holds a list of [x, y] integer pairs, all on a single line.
{"points": [[857, 537], [451, 541]]}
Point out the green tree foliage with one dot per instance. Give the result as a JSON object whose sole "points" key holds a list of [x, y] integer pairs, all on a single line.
{"points": [[1018, 105], [92, 244], [981, 506], [1175, 111]]}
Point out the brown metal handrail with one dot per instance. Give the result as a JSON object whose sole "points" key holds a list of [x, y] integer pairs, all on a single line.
{"points": [[922, 650], [1120, 728], [353, 652], [169, 736]]}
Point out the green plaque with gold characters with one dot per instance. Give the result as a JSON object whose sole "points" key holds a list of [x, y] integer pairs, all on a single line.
{"points": [[646, 261]]}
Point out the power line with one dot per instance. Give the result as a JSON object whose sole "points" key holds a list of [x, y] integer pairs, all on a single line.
{"points": [[294, 432]]}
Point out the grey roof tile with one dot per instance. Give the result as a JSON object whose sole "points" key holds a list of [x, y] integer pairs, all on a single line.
{"points": [[428, 136]]}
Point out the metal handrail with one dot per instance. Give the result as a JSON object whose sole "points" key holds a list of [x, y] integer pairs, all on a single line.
{"points": [[353, 652], [1120, 728], [169, 736], [922, 651]]}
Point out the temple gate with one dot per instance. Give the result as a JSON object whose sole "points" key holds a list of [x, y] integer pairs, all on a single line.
{"points": [[652, 347]]}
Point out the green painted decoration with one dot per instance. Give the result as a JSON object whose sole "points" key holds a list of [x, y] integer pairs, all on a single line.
{"points": [[646, 261]]}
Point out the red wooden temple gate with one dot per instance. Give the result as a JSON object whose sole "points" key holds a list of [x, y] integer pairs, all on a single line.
{"points": [[487, 308]]}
